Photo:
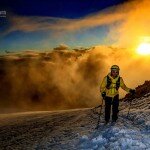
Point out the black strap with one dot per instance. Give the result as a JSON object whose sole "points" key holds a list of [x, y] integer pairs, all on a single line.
{"points": [[118, 84], [108, 82]]}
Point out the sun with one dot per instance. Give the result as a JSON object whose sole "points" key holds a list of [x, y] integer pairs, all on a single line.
{"points": [[144, 49]]}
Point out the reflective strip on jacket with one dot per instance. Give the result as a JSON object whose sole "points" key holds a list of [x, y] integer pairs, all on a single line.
{"points": [[112, 91]]}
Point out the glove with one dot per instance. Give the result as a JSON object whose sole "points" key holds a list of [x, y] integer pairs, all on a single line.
{"points": [[103, 94], [132, 91]]}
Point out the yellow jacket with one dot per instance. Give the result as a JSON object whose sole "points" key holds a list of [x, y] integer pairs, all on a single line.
{"points": [[112, 91]]}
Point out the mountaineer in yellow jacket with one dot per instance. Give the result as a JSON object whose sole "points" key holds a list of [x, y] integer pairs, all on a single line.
{"points": [[109, 91]]}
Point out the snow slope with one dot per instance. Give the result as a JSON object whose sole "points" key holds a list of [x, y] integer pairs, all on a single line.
{"points": [[130, 132], [75, 129], [44, 130]]}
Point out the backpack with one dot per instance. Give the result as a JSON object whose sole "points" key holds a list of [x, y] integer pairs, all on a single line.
{"points": [[109, 83]]}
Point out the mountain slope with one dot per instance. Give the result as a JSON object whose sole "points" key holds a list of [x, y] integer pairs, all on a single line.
{"points": [[75, 129], [50, 130]]}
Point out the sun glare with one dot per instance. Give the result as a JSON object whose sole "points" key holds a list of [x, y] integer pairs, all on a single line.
{"points": [[144, 49]]}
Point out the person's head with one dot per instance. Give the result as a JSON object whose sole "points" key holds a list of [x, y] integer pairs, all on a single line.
{"points": [[114, 71]]}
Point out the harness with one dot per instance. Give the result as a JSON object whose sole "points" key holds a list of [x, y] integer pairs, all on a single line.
{"points": [[109, 83]]}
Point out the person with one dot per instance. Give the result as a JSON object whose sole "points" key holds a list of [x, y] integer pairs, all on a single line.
{"points": [[109, 91]]}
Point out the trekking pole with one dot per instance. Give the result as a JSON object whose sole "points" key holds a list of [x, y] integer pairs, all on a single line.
{"points": [[95, 108], [99, 117], [130, 105], [129, 108]]}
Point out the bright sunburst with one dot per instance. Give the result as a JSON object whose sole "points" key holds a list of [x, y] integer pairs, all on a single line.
{"points": [[144, 49]]}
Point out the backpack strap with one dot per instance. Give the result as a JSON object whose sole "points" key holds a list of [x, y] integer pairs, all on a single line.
{"points": [[118, 83], [108, 82]]}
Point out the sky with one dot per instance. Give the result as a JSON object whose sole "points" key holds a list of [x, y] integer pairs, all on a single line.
{"points": [[109, 32], [42, 25]]}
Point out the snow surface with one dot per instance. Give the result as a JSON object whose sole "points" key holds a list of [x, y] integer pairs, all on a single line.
{"points": [[75, 129]]}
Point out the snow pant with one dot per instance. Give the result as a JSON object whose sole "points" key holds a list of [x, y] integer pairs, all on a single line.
{"points": [[115, 104]]}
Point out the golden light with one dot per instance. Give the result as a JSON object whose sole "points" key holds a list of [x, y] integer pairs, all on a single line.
{"points": [[144, 49]]}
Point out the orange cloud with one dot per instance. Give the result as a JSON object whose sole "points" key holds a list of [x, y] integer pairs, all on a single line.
{"points": [[34, 23]]}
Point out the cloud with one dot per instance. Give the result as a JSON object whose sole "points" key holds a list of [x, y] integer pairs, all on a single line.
{"points": [[33, 80], [49, 80], [127, 23], [36, 23], [62, 47]]}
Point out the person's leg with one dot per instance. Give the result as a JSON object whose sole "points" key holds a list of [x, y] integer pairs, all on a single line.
{"points": [[115, 110], [108, 101]]}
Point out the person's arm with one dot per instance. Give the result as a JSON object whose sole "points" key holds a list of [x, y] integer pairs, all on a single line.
{"points": [[103, 85], [123, 86]]}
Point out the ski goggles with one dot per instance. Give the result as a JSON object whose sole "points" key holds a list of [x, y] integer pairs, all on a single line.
{"points": [[115, 71]]}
